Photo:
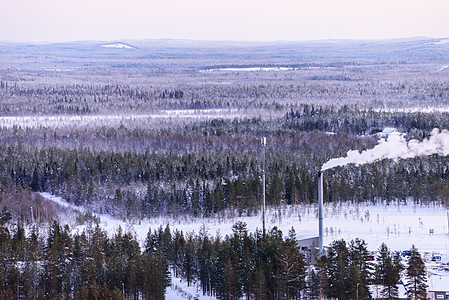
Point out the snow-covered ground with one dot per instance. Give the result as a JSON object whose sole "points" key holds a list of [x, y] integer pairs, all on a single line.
{"points": [[399, 226], [118, 46], [112, 120], [265, 69], [180, 290], [443, 67], [427, 110], [442, 42], [250, 69]]}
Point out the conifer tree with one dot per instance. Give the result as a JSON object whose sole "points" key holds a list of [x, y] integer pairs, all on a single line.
{"points": [[339, 280], [292, 267], [324, 270], [416, 276], [360, 268], [388, 273]]}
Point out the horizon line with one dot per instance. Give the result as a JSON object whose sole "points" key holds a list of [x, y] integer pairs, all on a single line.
{"points": [[124, 40]]}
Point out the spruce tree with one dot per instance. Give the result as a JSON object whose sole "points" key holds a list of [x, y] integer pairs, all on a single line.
{"points": [[292, 267], [339, 280], [388, 273], [360, 268], [324, 273], [416, 276]]}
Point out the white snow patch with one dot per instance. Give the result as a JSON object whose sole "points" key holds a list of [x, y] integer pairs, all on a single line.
{"points": [[443, 67], [397, 225], [62, 202], [118, 46], [251, 69], [265, 69], [180, 290], [427, 110], [442, 42], [59, 70], [113, 120]]}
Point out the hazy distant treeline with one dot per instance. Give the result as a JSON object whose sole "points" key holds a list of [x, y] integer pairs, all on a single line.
{"points": [[21, 98]]}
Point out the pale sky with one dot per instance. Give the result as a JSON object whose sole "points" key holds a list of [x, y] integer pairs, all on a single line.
{"points": [[250, 20]]}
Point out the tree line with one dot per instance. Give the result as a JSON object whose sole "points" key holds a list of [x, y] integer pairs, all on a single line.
{"points": [[261, 265], [207, 184], [60, 264], [265, 91], [347, 271]]}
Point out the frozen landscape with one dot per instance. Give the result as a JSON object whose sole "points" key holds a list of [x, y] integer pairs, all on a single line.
{"points": [[140, 135], [212, 150], [398, 225]]}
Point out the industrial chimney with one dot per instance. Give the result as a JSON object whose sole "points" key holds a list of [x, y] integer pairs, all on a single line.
{"points": [[263, 141], [320, 211]]}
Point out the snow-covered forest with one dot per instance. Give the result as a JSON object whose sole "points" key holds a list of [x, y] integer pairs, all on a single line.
{"points": [[164, 129]]}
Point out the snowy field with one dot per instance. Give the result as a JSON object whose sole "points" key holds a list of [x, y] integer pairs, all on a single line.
{"points": [[118, 46], [443, 68], [250, 69], [399, 226], [264, 69], [427, 110], [113, 120]]}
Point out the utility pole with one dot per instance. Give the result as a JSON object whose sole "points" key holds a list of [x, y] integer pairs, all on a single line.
{"points": [[447, 222], [264, 143]]}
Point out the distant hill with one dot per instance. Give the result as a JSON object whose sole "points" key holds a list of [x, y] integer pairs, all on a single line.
{"points": [[118, 46], [191, 53]]}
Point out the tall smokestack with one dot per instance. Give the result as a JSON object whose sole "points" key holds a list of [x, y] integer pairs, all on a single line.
{"points": [[320, 210], [264, 144]]}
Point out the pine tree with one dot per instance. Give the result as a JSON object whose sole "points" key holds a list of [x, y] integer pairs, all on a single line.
{"points": [[388, 273], [292, 267], [188, 264], [416, 276], [360, 268], [52, 268], [313, 288], [339, 273], [324, 270]]}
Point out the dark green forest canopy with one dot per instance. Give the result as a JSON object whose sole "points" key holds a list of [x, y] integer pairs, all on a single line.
{"points": [[95, 264], [210, 166], [169, 129], [160, 131]]}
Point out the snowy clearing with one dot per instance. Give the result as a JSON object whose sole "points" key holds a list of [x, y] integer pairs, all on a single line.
{"points": [[399, 226], [180, 290], [427, 110], [118, 46], [112, 120], [265, 69], [442, 42], [250, 69]]}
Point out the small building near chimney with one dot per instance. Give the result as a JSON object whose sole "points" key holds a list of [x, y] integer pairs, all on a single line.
{"points": [[309, 247], [438, 286], [386, 132]]}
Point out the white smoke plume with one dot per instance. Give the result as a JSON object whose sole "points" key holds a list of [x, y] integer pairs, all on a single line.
{"points": [[395, 147]]}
